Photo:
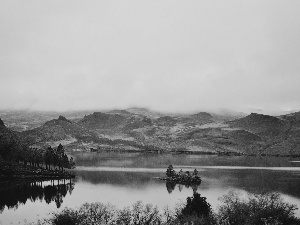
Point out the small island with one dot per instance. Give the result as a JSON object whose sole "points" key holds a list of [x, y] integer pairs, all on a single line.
{"points": [[186, 177]]}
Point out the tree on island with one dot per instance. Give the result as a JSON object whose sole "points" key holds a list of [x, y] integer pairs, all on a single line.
{"points": [[170, 171], [195, 173]]}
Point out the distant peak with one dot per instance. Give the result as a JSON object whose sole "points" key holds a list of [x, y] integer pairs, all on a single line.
{"points": [[62, 118], [260, 118], [203, 114], [255, 114]]}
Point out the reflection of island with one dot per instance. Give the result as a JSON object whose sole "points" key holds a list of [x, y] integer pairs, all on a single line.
{"points": [[171, 186], [13, 196]]}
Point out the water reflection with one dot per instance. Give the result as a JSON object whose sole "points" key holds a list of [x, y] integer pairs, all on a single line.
{"points": [[171, 185], [13, 195], [123, 179], [137, 160]]}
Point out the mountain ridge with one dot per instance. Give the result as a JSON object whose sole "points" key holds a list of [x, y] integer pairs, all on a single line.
{"points": [[199, 132]]}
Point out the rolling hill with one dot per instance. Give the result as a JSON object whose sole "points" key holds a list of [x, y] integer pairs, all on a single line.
{"points": [[140, 129]]}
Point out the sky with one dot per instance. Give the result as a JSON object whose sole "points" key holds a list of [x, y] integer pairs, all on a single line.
{"points": [[167, 55]]}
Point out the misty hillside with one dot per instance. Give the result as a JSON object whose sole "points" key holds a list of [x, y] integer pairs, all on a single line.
{"points": [[262, 125], [99, 120], [57, 130], [132, 129]]}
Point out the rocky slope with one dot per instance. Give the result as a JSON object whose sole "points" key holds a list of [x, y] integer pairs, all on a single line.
{"points": [[139, 129]]}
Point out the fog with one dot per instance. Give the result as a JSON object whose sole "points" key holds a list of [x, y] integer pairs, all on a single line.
{"points": [[165, 55]]}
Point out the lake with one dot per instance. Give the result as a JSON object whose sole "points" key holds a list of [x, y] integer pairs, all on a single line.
{"points": [[125, 178]]}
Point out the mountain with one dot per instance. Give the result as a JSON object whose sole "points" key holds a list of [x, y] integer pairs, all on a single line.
{"points": [[292, 117], [201, 117], [140, 129], [262, 125], [57, 130], [280, 135], [99, 120], [116, 121], [290, 143], [27, 120], [74, 135]]}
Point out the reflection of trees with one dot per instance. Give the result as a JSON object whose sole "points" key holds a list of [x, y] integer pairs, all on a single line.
{"points": [[14, 196], [170, 185]]}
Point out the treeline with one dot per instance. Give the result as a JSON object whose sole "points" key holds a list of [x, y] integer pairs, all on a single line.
{"points": [[13, 150], [260, 209], [53, 158]]}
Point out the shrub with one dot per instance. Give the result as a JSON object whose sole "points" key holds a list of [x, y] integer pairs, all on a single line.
{"points": [[263, 208], [257, 209], [65, 217], [196, 211]]}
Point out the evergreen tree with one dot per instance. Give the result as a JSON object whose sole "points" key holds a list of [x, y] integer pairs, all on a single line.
{"points": [[170, 171]]}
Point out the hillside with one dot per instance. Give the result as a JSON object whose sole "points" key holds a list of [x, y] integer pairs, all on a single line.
{"points": [[27, 120], [58, 130], [199, 132], [71, 134], [99, 120], [262, 125], [197, 119]]}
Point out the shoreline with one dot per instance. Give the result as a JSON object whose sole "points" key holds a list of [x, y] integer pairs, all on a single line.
{"points": [[15, 171], [185, 152]]}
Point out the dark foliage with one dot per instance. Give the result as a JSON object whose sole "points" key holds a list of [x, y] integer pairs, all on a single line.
{"points": [[258, 209], [170, 171], [196, 211]]}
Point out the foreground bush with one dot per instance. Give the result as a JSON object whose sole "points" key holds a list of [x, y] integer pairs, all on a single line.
{"points": [[264, 209], [267, 208], [98, 213]]}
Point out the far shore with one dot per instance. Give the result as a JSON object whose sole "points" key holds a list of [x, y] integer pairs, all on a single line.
{"points": [[188, 152]]}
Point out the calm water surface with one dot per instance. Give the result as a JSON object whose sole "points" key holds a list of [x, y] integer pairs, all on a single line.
{"points": [[123, 179]]}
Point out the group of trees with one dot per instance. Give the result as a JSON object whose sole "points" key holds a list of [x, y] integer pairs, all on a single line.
{"points": [[182, 176], [57, 158], [10, 145], [12, 149], [51, 158]]}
